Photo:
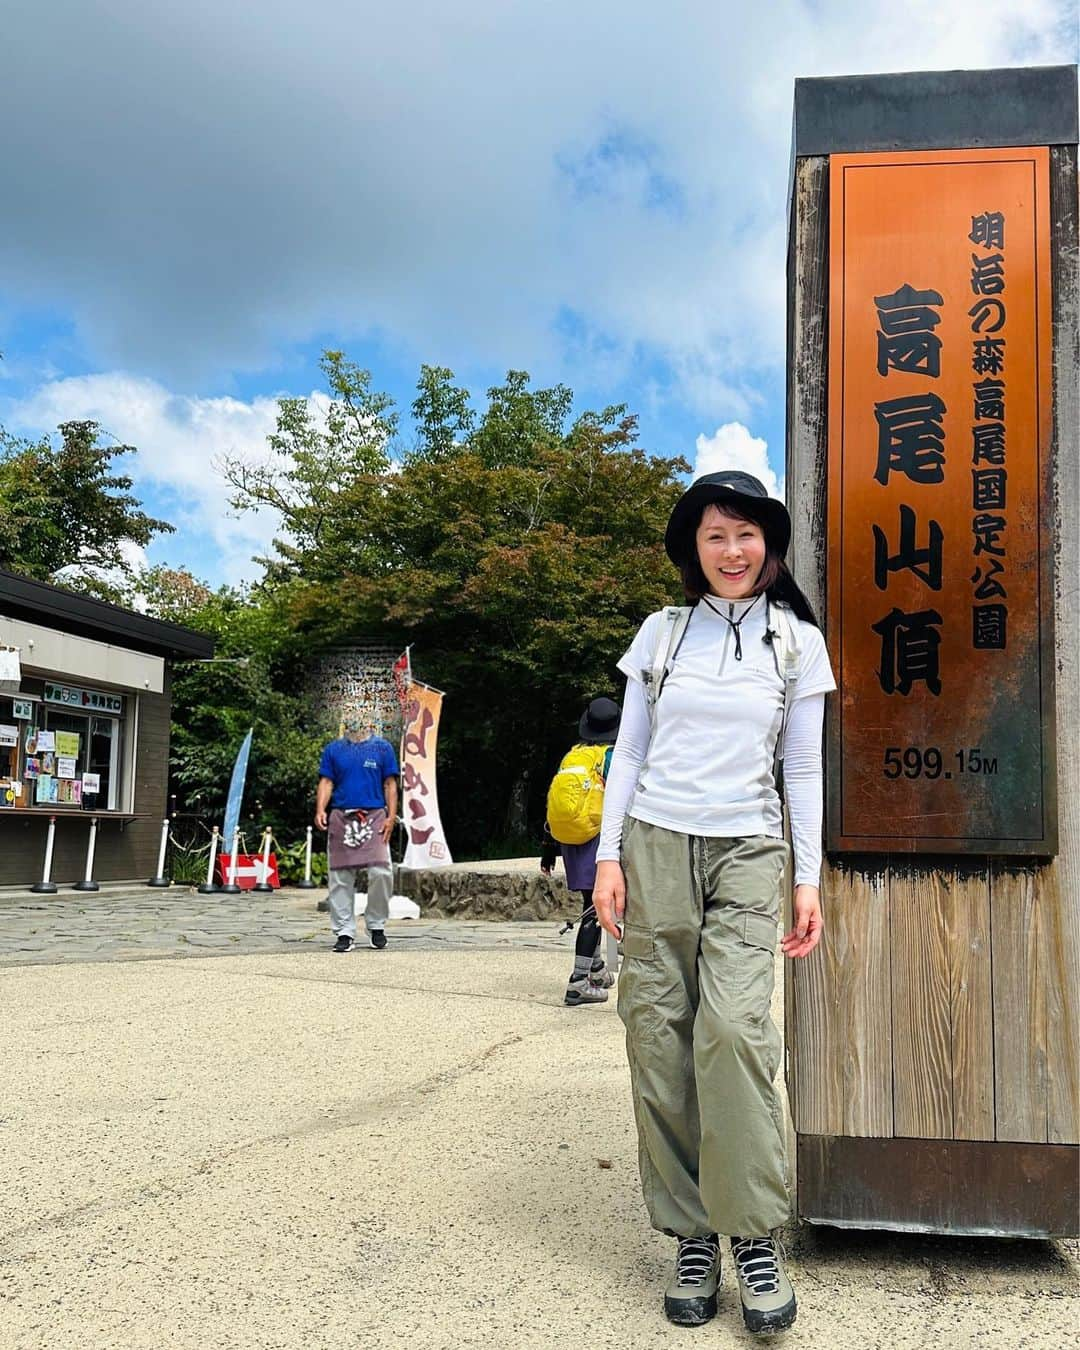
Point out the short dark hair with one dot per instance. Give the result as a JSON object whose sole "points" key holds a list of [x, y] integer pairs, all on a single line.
{"points": [[695, 584], [774, 579]]}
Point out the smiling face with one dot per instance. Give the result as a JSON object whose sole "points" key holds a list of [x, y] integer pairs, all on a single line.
{"points": [[731, 553]]}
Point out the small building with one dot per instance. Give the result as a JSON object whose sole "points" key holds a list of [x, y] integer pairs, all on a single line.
{"points": [[84, 731]]}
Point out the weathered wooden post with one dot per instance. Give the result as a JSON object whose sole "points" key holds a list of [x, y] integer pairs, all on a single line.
{"points": [[932, 472]]}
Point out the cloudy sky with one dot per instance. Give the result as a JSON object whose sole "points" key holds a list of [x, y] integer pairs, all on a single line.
{"points": [[198, 199]]}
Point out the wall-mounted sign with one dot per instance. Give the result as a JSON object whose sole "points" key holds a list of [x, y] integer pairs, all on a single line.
{"points": [[22, 709], [89, 700], [9, 735], [940, 544]]}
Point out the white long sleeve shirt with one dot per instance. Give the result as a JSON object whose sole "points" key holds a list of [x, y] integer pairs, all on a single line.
{"points": [[707, 767]]}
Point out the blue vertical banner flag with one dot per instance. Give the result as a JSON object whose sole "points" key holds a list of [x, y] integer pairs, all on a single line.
{"points": [[236, 793]]}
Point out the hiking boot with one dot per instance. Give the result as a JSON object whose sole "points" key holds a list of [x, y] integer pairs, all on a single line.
{"points": [[601, 976], [343, 944], [768, 1300], [690, 1298], [378, 939], [581, 989]]}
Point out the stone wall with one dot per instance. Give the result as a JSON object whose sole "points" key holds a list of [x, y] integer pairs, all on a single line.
{"points": [[453, 894]]}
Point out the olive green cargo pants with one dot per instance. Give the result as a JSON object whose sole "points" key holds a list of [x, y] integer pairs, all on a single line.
{"points": [[699, 940]]}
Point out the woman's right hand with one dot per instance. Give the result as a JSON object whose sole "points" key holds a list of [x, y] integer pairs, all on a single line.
{"points": [[609, 897]]}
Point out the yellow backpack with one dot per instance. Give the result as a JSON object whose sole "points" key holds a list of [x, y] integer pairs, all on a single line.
{"points": [[576, 797]]}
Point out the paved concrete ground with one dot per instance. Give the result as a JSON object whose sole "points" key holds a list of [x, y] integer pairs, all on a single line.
{"points": [[122, 923], [274, 1146]]}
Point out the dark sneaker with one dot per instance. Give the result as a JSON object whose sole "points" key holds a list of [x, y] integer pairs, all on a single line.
{"points": [[601, 976], [378, 939], [582, 990], [690, 1298], [768, 1300], [343, 944]]}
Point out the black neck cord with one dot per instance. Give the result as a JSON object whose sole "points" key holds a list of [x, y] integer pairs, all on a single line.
{"points": [[734, 624]]}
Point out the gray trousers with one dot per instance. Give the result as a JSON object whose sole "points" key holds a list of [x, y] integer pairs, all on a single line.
{"points": [[342, 899], [694, 994]]}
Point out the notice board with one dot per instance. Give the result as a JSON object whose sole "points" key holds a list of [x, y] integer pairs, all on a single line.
{"points": [[940, 599]]}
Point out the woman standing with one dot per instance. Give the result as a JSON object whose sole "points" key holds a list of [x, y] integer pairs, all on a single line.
{"points": [[689, 873]]}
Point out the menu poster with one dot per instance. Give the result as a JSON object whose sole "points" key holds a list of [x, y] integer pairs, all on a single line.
{"points": [[48, 761], [46, 789], [65, 766], [69, 791], [91, 782], [67, 743], [46, 740]]}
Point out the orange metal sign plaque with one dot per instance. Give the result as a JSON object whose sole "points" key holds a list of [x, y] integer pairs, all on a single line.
{"points": [[940, 544]]}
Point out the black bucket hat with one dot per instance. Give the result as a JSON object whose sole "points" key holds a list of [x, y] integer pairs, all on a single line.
{"points": [[599, 723], [741, 490]]}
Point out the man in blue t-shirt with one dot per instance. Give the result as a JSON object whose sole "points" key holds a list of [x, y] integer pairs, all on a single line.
{"points": [[356, 803]]}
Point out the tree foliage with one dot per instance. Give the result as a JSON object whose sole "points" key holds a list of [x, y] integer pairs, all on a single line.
{"points": [[66, 512], [322, 472], [256, 680], [518, 554]]}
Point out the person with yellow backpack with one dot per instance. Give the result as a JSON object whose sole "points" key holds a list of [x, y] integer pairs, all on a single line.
{"points": [[575, 805]]}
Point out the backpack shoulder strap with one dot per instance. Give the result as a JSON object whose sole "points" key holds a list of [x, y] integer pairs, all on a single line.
{"points": [[669, 635], [787, 652]]}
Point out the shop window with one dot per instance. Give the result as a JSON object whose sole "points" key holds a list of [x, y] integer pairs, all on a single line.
{"points": [[59, 758]]}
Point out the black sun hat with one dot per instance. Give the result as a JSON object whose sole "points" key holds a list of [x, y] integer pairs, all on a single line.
{"points": [[599, 723], [741, 490]]}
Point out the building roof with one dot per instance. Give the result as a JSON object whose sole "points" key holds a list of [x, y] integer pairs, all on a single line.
{"points": [[40, 602]]}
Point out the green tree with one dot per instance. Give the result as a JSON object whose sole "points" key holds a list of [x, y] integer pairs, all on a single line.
{"points": [[256, 680], [519, 585], [66, 513], [519, 422], [442, 415], [517, 552], [323, 471]]}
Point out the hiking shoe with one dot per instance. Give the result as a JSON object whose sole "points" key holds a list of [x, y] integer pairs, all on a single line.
{"points": [[768, 1300], [602, 977], [343, 944], [581, 989], [378, 939], [690, 1298]]}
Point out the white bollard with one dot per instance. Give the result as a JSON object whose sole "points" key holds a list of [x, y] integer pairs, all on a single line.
{"points": [[263, 884], [45, 886], [88, 883], [307, 884], [159, 879], [210, 886], [230, 887]]}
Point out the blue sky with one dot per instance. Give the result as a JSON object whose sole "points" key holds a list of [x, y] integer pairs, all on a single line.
{"points": [[198, 201]]}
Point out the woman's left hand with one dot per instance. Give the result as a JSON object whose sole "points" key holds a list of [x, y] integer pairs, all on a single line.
{"points": [[806, 931]]}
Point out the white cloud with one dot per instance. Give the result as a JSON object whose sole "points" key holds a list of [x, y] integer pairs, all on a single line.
{"points": [[200, 188], [733, 447], [178, 440]]}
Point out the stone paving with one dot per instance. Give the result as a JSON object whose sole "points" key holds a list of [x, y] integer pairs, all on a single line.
{"points": [[124, 923]]}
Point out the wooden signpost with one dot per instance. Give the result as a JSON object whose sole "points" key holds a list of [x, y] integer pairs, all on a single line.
{"points": [[933, 482]]}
